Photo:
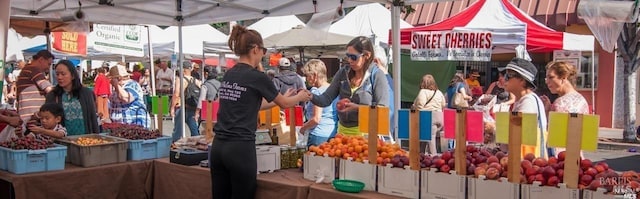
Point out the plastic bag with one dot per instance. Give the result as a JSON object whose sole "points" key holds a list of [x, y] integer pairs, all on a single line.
{"points": [[302, 139], [605, 18]]}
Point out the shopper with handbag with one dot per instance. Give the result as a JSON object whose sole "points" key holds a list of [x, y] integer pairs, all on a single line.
{"points": [[457, 97], [430, 98]]}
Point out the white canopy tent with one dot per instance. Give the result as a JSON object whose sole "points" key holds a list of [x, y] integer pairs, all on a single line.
{"points": [[271, 25], [367, 20]]}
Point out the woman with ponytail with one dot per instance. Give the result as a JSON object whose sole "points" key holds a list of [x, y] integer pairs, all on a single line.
{"points": [[244, 90]]}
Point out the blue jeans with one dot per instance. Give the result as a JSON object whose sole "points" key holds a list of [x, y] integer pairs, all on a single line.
{"points": [[191, 123], [316, 140]]}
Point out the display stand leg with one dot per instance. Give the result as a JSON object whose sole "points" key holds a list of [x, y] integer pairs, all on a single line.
{"points": [[414, 140], [461, 140], [209, 126], [292, 126], [161, 111], [515, 147], [572, 153], [373, 135], [269, 122]]}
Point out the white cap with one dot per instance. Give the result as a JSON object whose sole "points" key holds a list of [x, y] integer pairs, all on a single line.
{"points": [[284, 62]]}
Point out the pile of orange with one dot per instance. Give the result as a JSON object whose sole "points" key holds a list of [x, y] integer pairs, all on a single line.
{"points": [[357, 148]]}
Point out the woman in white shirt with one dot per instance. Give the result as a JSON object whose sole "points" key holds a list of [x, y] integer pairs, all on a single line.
{"points": [[519, 79], [430, 98]]}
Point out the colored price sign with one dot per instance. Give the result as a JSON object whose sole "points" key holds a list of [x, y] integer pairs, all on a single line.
{"points": [[559, 128], [381, 120], [215, 106], [160, 104], [529, 128], [473, 121], [275, 115], [425, 124], [298, 115]]}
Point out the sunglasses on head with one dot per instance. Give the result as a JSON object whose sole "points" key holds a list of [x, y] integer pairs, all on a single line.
{"points": [[353, 57], [510, 74]]}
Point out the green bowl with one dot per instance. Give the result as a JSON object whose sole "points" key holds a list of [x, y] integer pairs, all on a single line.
{"points": [[349, 186]]}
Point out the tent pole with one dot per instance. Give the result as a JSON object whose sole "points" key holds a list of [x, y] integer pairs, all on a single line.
{"points": [[180, 60], [593, 82], [153, 75], [47, 34], [395, 26], [4, 26]]}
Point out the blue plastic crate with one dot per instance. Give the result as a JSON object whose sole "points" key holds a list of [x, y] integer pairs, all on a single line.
{"points": [[149, 149], [30, 161], [3, 159]]}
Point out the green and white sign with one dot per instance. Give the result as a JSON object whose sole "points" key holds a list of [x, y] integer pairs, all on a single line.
{"points": [[118, 39]]}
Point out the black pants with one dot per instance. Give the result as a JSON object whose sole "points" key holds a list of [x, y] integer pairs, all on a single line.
{"points": [[233, 169]]}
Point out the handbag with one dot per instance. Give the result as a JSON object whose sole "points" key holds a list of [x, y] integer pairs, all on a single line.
{"points": [[458, 100]]}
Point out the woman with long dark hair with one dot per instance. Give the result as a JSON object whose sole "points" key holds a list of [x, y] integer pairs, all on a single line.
{"points": [[78, 102], [356, 83]]}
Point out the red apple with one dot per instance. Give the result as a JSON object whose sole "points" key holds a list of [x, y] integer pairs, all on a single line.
{"points": [[446, 156], [591, 171], [530, 172], [585, 163], [438, 163], [560, 173], [553, 181], [445, 168], [493, 173], [541, 162], [479, 171], [529, 156], [452, 163], [561, 156], [500, 155], [471, 169], [603, 164], [599, 168], [552, 160], [586, 180], [342, 103], [594, 185], [504, 161], [495, 165], [540, 178], [547, 172], [492, 159], [526, 164], [530, 179], [483, 165]]}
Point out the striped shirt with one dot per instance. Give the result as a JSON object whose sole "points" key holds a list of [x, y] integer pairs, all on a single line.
{"points": [[31, 84]]}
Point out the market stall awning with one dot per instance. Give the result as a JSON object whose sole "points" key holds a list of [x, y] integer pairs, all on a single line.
{"points": [[510, 27]]}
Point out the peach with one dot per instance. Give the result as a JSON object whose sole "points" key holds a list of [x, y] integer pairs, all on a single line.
{"points": [[553, 181], [479, 171], [541, 162], [493, 173], [529, 156]]}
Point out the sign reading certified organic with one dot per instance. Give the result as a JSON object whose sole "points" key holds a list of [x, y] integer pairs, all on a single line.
{"points": [[118, 39], [451, 45]]}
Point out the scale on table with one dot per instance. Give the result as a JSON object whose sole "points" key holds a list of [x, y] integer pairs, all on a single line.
{"points": [[262, 136]]}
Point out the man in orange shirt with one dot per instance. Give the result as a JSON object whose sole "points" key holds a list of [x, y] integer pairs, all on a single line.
{"points": [[473, 83]]}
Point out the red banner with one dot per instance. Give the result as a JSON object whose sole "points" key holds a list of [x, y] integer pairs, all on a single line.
{"points": [[70, 42]]}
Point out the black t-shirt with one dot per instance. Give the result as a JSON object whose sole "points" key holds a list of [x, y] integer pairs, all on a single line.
{"points": [[241, 92]]}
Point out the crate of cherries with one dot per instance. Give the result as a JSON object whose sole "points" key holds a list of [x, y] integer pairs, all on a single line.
{"points": [[28, 154], [143, 143]]}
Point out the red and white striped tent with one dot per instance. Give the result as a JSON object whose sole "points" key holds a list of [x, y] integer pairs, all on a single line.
{"points": [[510, 27]]}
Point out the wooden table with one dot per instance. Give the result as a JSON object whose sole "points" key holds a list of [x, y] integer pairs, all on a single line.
{"points": [[179, 181], [123, 180]]}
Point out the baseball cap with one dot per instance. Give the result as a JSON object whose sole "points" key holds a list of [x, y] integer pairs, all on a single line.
{"points": [[284, 62]]}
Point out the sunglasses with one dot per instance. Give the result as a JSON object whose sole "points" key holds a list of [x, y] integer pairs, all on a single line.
{"points": [[353, 57], [264, 50], [509, 75]]}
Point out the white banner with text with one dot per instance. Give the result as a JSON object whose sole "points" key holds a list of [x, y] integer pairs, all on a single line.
{"points": [[451, 45]]}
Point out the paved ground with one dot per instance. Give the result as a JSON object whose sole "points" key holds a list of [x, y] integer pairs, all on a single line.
{"points": [[618, 158]]}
